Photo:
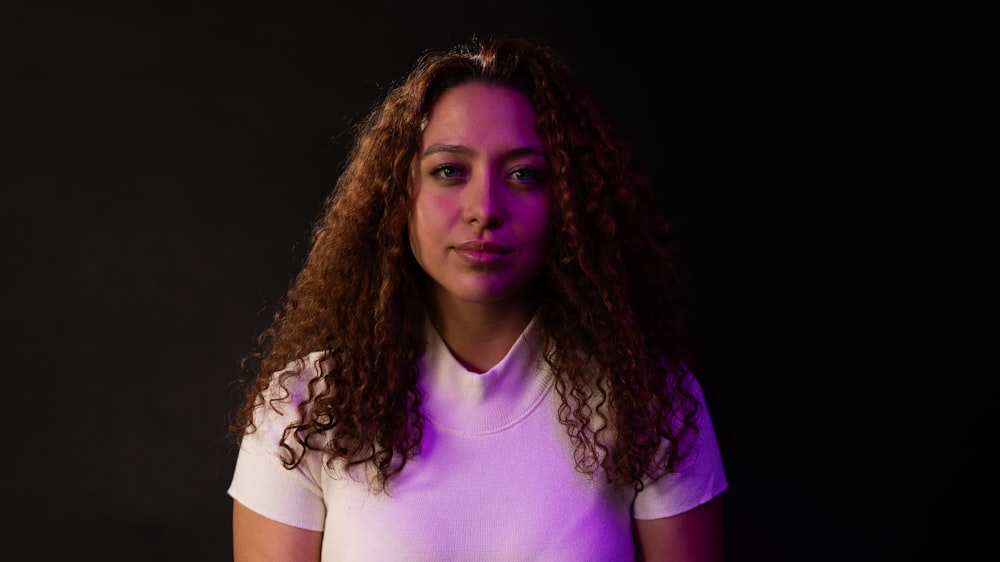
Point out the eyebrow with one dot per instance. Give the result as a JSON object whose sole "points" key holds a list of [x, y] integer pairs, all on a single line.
{"points": [[465, 151]]}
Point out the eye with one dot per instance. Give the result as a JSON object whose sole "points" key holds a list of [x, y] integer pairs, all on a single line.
{"points": [[527, 176], [446, 172]]}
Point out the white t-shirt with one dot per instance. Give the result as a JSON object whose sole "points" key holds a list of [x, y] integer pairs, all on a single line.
{"points": [[495, 479]]}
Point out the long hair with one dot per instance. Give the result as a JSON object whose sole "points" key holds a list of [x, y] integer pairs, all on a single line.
{"points": [[611, 290]]}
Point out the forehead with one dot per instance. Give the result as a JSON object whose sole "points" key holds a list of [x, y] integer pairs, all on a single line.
{"points": [[477, 113]]}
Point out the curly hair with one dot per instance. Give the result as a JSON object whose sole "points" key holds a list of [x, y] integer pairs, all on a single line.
{"points": [[612, 290]]}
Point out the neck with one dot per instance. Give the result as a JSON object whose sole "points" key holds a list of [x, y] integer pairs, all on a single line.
{"points": [[479, 335]]}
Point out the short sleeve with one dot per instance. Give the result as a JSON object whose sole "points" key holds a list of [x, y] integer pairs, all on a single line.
{"points": [[262, 483], [699, 478]]}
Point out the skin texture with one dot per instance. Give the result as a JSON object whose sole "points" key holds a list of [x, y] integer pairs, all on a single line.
{"points": [[692, 536], [480, 179], [259, 539]]}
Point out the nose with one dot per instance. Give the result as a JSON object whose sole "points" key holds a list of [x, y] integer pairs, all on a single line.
{"points": [[483, 204]]}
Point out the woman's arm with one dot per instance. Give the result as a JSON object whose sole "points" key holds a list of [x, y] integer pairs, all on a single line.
{"points": [[692, 536], [259, 539]]}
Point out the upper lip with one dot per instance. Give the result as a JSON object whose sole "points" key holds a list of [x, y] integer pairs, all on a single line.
{"points": [[482, 246]]}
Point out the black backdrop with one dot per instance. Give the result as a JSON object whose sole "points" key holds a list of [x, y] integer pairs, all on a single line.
{"points": [[160, 166]]}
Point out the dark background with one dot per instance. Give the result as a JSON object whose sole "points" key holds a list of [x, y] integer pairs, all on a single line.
{"points": [[828, 171]]}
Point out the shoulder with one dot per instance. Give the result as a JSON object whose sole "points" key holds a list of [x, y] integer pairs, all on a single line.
{"points": [[297, 383], [298, 379]]}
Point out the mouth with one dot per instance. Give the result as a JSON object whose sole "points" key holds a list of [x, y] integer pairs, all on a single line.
{"points": [[480, 254], [480, 246]]}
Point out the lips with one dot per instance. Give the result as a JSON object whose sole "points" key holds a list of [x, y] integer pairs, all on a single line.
{"points": [[480, 254], [482, 246]]}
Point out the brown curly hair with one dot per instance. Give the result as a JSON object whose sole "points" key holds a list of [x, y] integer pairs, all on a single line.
{"points": [[611, 290]]}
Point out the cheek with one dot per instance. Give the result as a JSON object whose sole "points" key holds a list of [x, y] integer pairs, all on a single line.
{"points": [[413, 222], [424, 225], [411, 232], [539, 221], [418, 220]]}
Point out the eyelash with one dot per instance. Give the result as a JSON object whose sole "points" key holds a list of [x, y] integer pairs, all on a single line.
{"points": [[437, 171], [534, 175]]}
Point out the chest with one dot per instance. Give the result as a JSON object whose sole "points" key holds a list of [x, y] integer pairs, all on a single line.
{"points": [[511, 494]]}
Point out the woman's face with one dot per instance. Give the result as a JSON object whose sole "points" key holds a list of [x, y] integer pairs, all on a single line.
{"points": [[481, 197]]}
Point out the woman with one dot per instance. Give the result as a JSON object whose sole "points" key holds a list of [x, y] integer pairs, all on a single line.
{"points": [[482, 358]]}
